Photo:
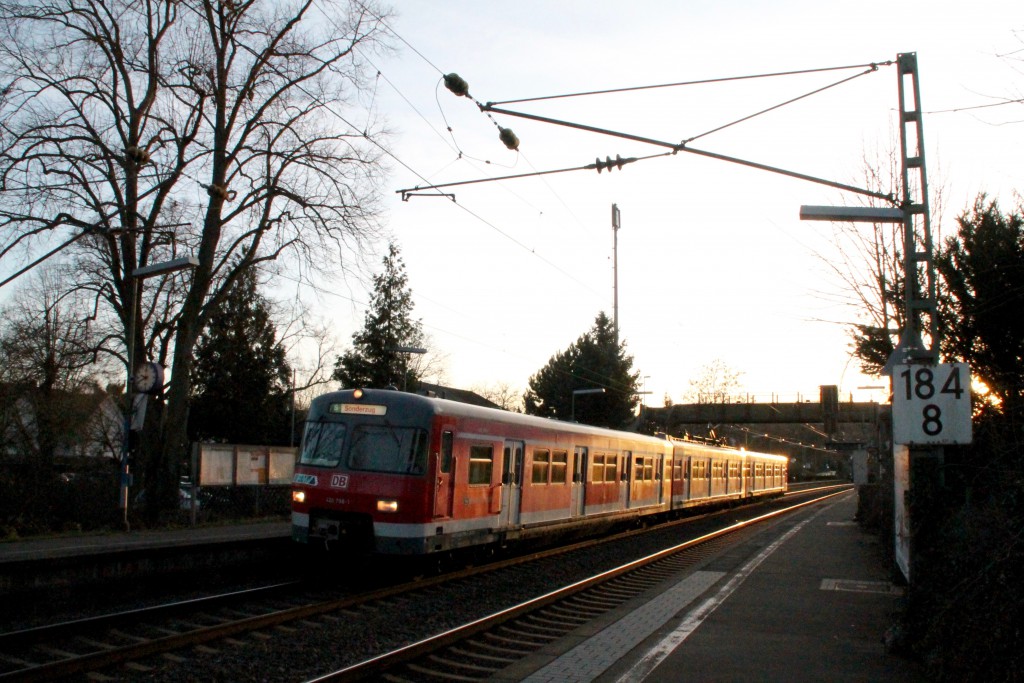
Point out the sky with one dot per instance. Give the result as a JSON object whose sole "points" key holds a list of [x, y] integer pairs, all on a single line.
{"points": [[713, 261]]}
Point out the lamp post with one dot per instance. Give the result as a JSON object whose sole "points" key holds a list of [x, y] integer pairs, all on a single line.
{"points": [[579, 392], [405, 370], [616, 222], [643, 400], [155, 379]]}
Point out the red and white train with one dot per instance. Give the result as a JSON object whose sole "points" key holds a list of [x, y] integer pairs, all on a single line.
{"points": [[396, 473]]}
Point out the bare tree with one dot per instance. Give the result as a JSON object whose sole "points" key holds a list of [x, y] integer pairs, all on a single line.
{"points": [[45, 338], [717, 383], [503, 395], [157, 129], [48, 352], [870, 266]]}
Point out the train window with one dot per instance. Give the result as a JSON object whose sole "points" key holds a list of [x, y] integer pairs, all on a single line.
{"points": [[559, 467], [597, 468], [677, 469], [321, 445], [648, 469], [541, 465], [611, 468], [638, 474], [699, 469], [481, 462], [447, 447], [383, 448]]}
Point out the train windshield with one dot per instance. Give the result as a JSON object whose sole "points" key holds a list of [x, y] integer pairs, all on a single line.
{"points": [[321, 444], [383, 448]]}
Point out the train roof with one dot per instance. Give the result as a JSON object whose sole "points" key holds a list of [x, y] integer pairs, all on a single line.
{"points": [[441, 406], [431, 405]]}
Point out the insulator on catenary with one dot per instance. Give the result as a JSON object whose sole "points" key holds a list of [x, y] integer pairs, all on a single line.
{"points": [[508, 138], [456, 84], [610, 163]]}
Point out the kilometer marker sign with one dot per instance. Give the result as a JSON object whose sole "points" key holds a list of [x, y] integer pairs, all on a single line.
{"points": [[931, 404]]}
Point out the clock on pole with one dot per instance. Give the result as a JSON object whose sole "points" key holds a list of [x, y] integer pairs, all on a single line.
{"points": [[149, 378]]}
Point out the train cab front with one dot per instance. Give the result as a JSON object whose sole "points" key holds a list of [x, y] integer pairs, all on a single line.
{"points": [[360, 482], [324, 517]]}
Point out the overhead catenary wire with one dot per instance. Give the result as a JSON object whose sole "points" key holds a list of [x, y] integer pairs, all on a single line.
{"points": [[458, 90], [478, 217], [459, 87], [684, 147], [532, 251], [447, 79], [599, 165], [783, 104], [974, 107], [872, 66]]}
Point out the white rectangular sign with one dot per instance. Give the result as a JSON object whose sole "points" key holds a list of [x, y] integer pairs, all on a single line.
{"points": [[931, 404], [358, 409]]}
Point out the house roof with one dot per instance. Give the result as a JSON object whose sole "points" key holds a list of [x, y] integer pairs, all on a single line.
{"points": [[452, 394]]}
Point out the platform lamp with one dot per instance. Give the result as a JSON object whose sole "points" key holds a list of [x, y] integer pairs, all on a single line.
{"points": [[144, 380], [579, 392], [407, 350]]}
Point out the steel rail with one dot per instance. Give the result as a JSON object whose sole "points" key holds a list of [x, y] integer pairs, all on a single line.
{"points": [[383, 662], [97, 660]]}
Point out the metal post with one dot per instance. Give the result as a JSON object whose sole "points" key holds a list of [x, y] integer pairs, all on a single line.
{"points": [[572, 415], [125, 472], [137, 276], [406, 350], [917, 237], [615, 265], [643, 401], [912, 349], [291, 437]]}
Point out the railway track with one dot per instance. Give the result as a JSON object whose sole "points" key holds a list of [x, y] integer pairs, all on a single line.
{"points": [[64, 649], [485, 647], [144, 639]]}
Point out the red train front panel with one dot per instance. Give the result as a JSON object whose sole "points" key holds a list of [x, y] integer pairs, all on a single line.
{"points": [[362, 477]]}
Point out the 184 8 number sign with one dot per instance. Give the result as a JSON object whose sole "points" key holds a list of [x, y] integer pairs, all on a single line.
{"points": [[931, 404]]}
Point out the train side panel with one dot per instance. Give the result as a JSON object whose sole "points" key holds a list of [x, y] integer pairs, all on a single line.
{"points": [[547, 483], [397, 473]]}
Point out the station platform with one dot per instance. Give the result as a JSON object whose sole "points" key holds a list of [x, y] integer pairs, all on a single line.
{"points": [[84, 545], [807, 599]]}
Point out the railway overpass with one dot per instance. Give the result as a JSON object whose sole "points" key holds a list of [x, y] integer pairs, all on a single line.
{"points": [[819, 435]]}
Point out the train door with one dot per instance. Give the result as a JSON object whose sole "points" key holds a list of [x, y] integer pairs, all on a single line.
{"points": [[660, 479], [444, 488], [627, 462], [627, 465], [685, 470], [579, 478], [511, 483]]}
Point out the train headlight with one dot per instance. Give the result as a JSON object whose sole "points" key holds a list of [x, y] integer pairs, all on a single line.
{"points": [[298, 496], [387, 505]]}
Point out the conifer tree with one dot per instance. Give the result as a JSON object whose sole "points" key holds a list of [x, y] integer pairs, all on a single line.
{"points": [[597, 360], [241, 377], [376, 358]]}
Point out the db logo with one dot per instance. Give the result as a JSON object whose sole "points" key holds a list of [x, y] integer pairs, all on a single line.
{"points": [[339, 481]]}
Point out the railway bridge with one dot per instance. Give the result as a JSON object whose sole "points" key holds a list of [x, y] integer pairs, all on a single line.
{"points": [[820, 435]]}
